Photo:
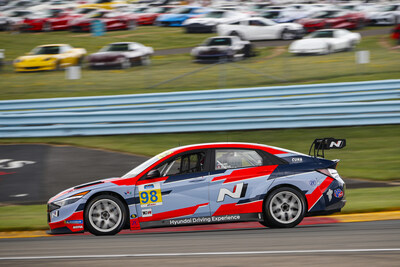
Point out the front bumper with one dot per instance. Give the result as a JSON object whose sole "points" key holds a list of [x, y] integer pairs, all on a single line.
{"points": [[36, 67], [66, 219], [199, 28]]}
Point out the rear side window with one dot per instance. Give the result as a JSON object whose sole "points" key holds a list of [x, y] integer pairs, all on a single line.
{"points": [[236, 158]]}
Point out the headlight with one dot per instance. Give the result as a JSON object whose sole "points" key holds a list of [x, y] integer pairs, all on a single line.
{"points": [[71, 199], [46, 59], [17, 60]]}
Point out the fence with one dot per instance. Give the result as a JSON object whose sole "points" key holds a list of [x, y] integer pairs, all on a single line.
{"points": [[337, 104]]}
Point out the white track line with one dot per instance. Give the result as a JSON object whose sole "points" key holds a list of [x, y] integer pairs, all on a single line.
{"points": [[203, 254]]}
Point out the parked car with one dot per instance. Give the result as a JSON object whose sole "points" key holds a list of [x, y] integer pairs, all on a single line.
{"points": [[112, 21], [209, 21], [177, 16], [258, 28], [385, 15], [49, 20], [325, 42], [222, 48], [104, 4], [50, 57], [203, 184], [334, 19], [150, 15], [9, 19], [396, 34], [122, 55]]}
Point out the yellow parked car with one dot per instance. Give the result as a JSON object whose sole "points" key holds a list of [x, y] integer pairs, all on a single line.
{"points": [[106, 4], [50, 57]]}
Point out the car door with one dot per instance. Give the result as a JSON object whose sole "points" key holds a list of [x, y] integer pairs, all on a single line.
{"points": [[239, 182], [179, 194]]}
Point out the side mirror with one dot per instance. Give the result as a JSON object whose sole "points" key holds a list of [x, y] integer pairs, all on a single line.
{"points": [[153, 174]]}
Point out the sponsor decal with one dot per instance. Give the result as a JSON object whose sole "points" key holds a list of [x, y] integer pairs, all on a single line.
{"points": [[54, 214], [134, 224], [329, 194], [151, 196], [312, 182], [297, 160], [148, 186], [239, 191], [128, 193], [201, 220], [133, 216], [337, 144], [77, 227], [147, 213], [74, 222], [338, 193]]}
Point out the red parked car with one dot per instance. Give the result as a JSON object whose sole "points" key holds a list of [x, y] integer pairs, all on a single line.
{"points": [[112, 21], [396, 33], [150, 15], [50, 20], [334, 19]]}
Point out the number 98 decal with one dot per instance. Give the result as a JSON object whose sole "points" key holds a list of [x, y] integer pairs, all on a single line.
{"points": [[150, 195]]}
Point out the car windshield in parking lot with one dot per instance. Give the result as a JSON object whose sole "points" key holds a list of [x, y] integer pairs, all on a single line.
{"points": [[46, 50], [218, 41]]}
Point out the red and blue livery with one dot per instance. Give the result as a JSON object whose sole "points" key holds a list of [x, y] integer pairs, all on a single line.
{"points": [[206, 183]]}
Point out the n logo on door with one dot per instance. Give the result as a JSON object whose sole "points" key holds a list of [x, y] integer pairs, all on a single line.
{"points": [[238, 191]]}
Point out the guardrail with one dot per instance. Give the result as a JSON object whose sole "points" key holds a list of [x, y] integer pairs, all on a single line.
{"points": [[214, 110]]}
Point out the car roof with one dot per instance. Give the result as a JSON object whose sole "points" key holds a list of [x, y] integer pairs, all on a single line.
{"points": [[51, 45], [270, 149]]}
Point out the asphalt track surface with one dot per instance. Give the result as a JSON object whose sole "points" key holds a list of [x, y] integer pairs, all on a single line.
{"points": [[271, 43], [345, 244]]}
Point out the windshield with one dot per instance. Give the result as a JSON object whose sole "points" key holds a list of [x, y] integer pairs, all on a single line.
{"points": [[46, 50], [328, 14], [136, 171], [388, 8], [271, 14], [321, 34], [115, 47], [181, 10], [218, 41], [215, 14]]}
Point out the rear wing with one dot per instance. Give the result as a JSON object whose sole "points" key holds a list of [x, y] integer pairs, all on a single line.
{"points": [[322, 144]]}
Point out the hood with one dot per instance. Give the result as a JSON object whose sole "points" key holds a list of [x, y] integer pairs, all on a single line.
{"points": [[81, 188], [173, 16], [211, 21], [110, 54], [35, 58], [312, 43]]}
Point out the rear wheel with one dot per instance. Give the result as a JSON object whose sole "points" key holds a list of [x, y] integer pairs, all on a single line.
{"points": [[284, 208], [105, 215]]}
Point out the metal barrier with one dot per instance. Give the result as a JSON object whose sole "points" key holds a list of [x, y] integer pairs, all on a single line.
{"points": [[99, 116]]}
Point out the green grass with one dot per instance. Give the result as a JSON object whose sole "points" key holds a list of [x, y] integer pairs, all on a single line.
{"points": [[262, 70], [33, 217], [372, 152]]}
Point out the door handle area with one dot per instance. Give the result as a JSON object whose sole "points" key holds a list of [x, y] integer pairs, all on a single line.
{"points": [[197, 180]]}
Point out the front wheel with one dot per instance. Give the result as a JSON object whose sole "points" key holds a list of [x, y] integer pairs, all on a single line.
{"points": [[284, 208], [105, 215]]}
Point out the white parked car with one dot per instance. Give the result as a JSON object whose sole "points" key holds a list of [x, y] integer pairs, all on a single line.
{"points": [[208, 22], [385, 15], [258, 28], [226, 48], [325, 41]]}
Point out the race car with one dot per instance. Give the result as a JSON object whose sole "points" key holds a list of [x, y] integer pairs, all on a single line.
{"points": [[222, 48], [50, 57], [203, 184], [325, 42]]}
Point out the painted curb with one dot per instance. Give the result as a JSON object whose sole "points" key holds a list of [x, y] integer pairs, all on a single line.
{"points": [[345, 218]]}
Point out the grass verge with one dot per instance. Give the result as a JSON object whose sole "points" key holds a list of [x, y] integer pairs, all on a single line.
{"points": [[33, 217]]}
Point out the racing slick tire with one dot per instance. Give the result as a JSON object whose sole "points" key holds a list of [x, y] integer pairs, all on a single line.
{"points": [[105, 215], [285, 207]]}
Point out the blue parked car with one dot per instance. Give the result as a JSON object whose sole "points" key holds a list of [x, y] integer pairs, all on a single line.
{"points": [[179, 15]]}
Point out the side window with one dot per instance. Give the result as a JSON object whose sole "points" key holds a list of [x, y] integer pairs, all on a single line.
{"points": [[236, 158], [188, 163], [256, 23]]}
